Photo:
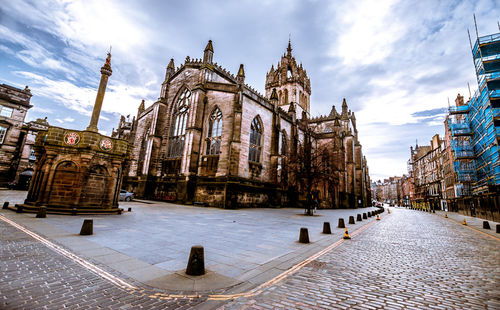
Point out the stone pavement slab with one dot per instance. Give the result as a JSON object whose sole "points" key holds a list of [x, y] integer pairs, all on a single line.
{"points": [[408, 260], [471, 221], [151, 244]]}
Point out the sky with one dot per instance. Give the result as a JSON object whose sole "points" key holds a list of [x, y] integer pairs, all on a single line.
{"points": [[397, 63]]}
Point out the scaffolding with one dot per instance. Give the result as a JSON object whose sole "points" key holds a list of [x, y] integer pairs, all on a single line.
{"points": [[475, 127]]}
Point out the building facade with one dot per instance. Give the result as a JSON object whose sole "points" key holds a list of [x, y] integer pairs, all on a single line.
{"points": [[426, 164], [475, 131], [14, 105], [212, 139]]}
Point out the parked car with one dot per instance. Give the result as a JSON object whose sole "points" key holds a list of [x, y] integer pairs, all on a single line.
{"points": [[125, 195], [12, 184]]}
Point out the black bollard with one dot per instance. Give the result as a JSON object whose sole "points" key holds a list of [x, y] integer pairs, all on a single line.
{"points": [[5, 205], [304, 235], [87, 228], [351, 219], [498, 228], [364, 216], [341, 223], [326, 228], [486, 225], [369, 213], [19, 208], [359, 218], [196, 262], [129, 209], [42, 213]]}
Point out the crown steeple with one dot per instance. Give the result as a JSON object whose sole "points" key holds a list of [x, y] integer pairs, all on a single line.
{"points": [[291, 83]]}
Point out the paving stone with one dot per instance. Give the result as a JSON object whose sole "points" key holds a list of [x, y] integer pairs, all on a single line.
{"points": [[408, 260]]}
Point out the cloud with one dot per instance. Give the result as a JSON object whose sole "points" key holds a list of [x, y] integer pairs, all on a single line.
{"points": [[119, 98], [37, 108], [31, 52], [396, 62], [365, 36]]}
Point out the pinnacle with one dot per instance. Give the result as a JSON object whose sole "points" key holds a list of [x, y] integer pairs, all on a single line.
{"points": [[241, 71], [209, 46], [171, 64]]}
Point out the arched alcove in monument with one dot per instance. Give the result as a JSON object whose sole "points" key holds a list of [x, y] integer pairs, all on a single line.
{"points": [[64, 183], [95, 188]]}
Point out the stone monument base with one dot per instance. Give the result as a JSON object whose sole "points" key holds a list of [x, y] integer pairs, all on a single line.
{"points": [[30, 208]]}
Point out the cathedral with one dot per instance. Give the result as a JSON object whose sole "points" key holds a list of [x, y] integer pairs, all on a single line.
{"points": [[210, 139]]}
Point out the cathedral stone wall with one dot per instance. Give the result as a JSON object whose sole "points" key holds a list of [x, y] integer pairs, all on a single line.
{"points": [[228, 179], [252, 109]]}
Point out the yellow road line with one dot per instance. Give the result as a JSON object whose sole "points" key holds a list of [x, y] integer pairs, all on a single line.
{"points": [[475, 229], [106, 275]]}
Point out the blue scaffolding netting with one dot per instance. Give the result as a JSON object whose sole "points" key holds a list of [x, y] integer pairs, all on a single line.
{"points": [[475, 127]]}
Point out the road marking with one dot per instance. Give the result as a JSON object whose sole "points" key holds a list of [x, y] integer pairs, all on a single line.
{"points": [[486, 234], [125, 285], [106, 275]]}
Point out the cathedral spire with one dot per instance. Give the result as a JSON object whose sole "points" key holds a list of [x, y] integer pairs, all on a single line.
{"points": [[289, 48], [344, 107]]}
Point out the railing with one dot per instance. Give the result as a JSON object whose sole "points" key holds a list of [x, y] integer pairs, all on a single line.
{"points": [[495, 112], [466, 176], [461, 154], [492, 75], [462, 149], [462, 190], [459, 109], [489, 38], [484, 40], [463, 167], [495, 93], [460, 128]]}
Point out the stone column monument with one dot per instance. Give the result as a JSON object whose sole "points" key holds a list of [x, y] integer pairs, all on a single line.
{"points": [[78, 172]]}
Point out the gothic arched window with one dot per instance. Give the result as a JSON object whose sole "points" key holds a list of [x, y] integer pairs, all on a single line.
{"points": [[255, 141], [178, 125], [214, 135]]}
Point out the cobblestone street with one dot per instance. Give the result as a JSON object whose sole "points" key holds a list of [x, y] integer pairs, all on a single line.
{"points": [[408, 260], [32, 276]]}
